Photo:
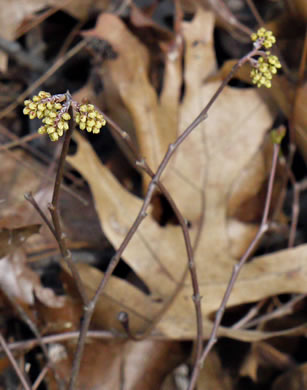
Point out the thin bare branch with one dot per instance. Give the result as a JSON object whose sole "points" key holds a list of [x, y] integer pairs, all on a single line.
{"points": [[237, 268], [14, 363]]}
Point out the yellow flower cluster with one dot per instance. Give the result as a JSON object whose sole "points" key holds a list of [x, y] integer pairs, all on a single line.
{"points": [[266, 36], [43, 107], [53, 111], [266, 65], [266, 68], [90, 119]]}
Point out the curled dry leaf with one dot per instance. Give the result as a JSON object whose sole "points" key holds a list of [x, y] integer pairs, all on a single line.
{"points": [[19, 281], [204, 177]]}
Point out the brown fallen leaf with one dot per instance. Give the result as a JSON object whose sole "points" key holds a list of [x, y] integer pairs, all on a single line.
{"points": [[123, 364], [10, 239], [222, 164], [264, 354], [212, 375], [16, 11], [295, 379], [19, 281]]}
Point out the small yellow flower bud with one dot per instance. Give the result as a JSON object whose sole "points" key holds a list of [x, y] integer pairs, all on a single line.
{"points": [[44, 95], [66, 116], [42, 130], [41, 106], [54, 137], [261, 32], [32, 115], [50, 129], [26, 111], [273, 70], [268, 83], [90, 123], [92, 115], [99, 124], [48, 121]]}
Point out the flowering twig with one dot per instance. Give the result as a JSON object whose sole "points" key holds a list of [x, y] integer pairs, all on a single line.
{"points": [[57, 113]]}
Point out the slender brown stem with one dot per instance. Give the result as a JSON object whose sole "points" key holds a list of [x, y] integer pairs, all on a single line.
{"points": [[237, 268], [250, 315], [281, 311], [54, 210], [40, 378], [29, 197], [255, 12], [292, 131], [297, 188], [56, 338], [295, 210], [223, 11], [14, 363]]}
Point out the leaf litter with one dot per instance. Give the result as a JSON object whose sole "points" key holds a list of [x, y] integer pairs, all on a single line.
{"points": [[216, 177]]}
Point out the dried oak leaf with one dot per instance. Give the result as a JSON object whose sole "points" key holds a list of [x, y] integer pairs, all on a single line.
{"points": [[222, 164]]}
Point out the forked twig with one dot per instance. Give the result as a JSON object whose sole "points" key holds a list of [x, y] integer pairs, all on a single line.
{"points": [[56, 338], [237, 268]]}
